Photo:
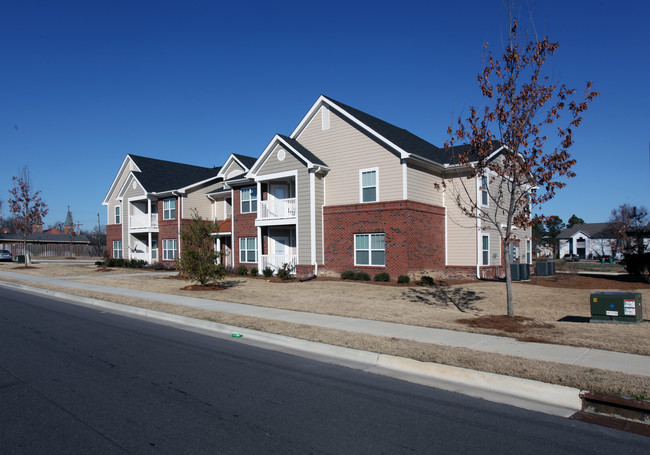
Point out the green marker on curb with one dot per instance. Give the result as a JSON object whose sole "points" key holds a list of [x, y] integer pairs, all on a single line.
{"points": [[237, 335]]}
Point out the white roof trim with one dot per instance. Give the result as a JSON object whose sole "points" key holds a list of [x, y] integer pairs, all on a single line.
{"points": [[322, 100], [232, 157], [127, 182], [277, 140], [127, 158]]}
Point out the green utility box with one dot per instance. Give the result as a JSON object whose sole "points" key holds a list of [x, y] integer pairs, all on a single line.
{"points": [[616, 307]]}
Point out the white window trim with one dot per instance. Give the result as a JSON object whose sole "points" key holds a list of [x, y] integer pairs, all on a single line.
{"points": [[376, 171], [482, 250], [165, 210], [241, 199], [370, 250], [119, 256], [165, 255], [246, 249], [486, 190], [117, 214]]}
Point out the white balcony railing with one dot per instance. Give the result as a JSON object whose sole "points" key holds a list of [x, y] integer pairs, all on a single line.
{"points": [[277, 209], [144, 221], [277, 261]]}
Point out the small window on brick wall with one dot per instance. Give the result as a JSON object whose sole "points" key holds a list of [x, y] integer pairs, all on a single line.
{"points": [[117, 249], [370, 249]]}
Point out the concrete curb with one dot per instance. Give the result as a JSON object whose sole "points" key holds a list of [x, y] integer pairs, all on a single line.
{"points": [[525, 393]]}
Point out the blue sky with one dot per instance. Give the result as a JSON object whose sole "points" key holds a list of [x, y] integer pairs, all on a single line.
{"points": [[86, 82]]}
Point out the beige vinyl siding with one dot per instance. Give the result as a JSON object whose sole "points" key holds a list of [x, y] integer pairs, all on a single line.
{"points": [[304, 220], [421, 185], [196, 199], [461, 229], [346, 150], [123, 174], [273, 165], [232, 170], [127, 211], [320, 196]]}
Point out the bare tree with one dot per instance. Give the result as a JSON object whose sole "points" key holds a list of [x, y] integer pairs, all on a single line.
{"points": [[503, 145], [630, 228], [26, 206]]}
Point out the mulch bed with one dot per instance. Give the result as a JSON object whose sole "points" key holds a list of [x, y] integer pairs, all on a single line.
{"points": [[595, 282], [511, 324], [198, 287]]}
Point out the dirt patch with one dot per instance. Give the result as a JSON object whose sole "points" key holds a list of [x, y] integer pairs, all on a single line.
{"points": [[22, 267], [574, 281], [510, 324], [207, 287]]}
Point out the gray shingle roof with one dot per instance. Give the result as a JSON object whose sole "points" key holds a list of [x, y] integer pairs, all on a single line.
{"points": [[247, 161], [404, 139], [158, 176], [45, 238], [298, 147], [593, 230]]}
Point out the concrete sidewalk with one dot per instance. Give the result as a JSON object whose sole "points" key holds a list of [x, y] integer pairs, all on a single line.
{"points": [[587, 357]]}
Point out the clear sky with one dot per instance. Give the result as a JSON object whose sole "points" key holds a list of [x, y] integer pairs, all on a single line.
{"points": [[85, 82]]}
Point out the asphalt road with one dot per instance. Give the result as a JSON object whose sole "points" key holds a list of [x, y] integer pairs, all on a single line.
{"points": [[76, 380]]}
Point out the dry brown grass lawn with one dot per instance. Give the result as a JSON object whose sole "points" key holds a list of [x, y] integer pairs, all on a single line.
{"points": [[546, 302]]}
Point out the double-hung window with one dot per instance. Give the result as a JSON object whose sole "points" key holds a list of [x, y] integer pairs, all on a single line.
{"points": [[169, 209], [370, 249], [169, 249], [485, 201], [248, 249], [368, 185], [117, 249], [485, 250], [117, 215], [249, 199]]}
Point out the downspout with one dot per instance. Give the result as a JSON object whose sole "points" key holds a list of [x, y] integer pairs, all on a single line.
{"points": [[179, 214], [478, 231], [232, 227]]}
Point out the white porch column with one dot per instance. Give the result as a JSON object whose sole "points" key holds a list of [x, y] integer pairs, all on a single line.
{"points": [[149, 244]]}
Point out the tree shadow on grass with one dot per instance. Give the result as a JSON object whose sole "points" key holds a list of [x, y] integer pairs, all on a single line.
{"points": [[444, 297]]}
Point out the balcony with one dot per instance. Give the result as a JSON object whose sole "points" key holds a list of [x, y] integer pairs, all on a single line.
{"points": [[283, 210], [144, 222]]}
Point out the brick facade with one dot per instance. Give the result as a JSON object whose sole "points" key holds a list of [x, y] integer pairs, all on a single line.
{"points": [[414, 235], [244, 226], [113, 233]]}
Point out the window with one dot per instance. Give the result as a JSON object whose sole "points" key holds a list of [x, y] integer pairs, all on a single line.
{"points": [[249, 199], [368, 185], [369, 249], [248, 249], [117, 249], [117, 214], [169, 209], [486, 250], [169, 249], [528, 252], [484, 191]]}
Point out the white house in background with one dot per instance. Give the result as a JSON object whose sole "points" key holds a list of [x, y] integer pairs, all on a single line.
{"points": [[589, 240]]}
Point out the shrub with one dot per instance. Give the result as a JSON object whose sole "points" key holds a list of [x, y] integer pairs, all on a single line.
{"points": [[426, 280], [242, 270], [383, 276], [254, 271], [362, 276], [637, 264], [199, 260], [267, 272], [404, 279], [347, 275], [286, 271], [99, 263]]}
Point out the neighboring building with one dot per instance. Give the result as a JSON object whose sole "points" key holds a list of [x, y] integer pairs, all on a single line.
{"points": [[51, 242], [344, 191], [589, 240]]}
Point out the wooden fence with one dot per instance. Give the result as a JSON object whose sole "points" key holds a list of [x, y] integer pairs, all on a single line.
{"points": [[53, 250]]}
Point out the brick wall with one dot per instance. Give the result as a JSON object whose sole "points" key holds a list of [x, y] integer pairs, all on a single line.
{"points": [[244, 226], [414, 235], [113, 233]]}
